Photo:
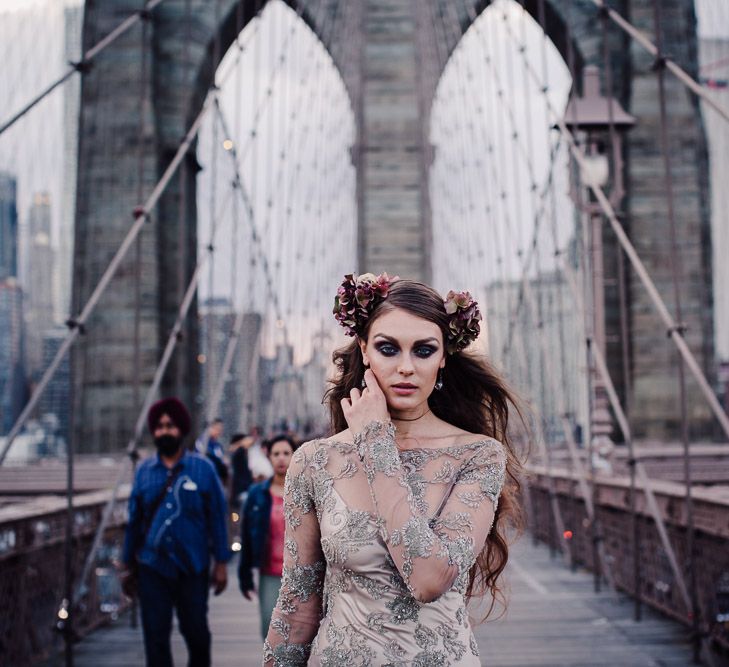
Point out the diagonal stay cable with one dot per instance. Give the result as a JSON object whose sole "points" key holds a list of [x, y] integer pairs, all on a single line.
{"points": [[77, 325], [131, 450], [85, 62], [673, 330], [662, 59]]}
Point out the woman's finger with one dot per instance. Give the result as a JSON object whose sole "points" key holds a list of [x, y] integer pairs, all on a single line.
{"points": [[346, 405], [371, 381], [354, 394]]}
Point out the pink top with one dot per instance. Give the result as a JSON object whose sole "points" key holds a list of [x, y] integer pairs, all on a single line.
{"points": [[273, 563]]}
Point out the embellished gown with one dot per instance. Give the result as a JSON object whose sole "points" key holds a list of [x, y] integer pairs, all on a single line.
{"points": [[379, 543]]}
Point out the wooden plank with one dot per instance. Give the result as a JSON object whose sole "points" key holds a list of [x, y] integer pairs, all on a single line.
{"points": [[554, 619]]}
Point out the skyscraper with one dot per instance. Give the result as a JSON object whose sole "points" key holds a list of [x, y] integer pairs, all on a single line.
{"points": [[12, 371], [8, 227], [39, 316], [56, 399]]}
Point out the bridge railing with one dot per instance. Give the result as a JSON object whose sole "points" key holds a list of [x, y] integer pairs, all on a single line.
{"points": [[656, 581], [32, 572]]}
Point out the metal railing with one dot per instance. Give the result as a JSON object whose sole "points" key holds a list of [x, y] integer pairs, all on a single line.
{"points": [[32, 547], [657, 586]]}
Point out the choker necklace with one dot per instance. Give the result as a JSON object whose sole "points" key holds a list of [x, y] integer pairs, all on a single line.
{"points": [[399, 419]]}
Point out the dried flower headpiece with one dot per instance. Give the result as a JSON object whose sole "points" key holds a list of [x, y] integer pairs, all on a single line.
{"points": [[464, 316], [358, 295]]}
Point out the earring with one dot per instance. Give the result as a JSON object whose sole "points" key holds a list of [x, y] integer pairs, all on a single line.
{"points": [[363, 384], [439, 382]]}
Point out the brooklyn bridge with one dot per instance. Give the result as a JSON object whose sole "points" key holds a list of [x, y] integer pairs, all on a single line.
{"points": [[183, 185]]}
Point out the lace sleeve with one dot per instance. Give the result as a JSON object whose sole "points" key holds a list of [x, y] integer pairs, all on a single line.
{"points": [[295, 620], [431, 552]]}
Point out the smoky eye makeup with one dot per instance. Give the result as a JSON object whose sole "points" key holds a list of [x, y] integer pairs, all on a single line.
{"points": [[387, 349]]}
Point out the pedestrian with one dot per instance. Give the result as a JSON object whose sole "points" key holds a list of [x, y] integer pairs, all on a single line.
{"points": [[177, 520], [242, 478], [403, 512], [258, 461], [262, 531], [209, 445]]}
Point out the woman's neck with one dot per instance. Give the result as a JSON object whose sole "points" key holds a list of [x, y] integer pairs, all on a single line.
{"points": [[418, 420]]}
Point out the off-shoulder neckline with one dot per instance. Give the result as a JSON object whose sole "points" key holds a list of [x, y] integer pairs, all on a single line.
{"points": [[480, 441]]}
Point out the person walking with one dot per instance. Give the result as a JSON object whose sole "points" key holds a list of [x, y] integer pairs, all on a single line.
{"points": [[177, 521], [209, 445], [242, 478], [262, 531]]}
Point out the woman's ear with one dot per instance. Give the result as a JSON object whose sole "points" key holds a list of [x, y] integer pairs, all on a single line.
{"points": [[363, 350]]}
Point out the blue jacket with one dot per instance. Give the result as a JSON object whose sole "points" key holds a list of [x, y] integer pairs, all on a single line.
{"points": [[254, 532], [190, 524]]}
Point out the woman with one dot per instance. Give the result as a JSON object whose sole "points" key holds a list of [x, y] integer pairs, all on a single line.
{"points": [[396, 521], [262, 531]]}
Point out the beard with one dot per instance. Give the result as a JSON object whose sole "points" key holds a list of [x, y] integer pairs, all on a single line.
{"points": [[167, 445]]}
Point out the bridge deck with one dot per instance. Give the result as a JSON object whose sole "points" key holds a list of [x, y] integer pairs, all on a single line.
{"points": [[554, 619]]}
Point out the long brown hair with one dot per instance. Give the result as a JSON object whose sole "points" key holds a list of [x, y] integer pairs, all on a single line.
{"points": [[474, 398]]}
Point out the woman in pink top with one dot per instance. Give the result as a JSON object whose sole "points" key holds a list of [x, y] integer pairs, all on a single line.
{"points": [[263, 532]]}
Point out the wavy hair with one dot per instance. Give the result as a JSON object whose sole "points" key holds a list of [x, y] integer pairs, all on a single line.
{"points": [[474, 398]]}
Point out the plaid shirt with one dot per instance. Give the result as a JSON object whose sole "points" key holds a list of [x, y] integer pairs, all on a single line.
{"points": [[190, 523]]}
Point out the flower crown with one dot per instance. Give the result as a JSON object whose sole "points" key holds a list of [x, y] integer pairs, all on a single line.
{"points": [[358, 295]]}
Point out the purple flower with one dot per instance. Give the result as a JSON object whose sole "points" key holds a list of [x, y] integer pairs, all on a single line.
{"points": [[464, 318], [356, 297]]}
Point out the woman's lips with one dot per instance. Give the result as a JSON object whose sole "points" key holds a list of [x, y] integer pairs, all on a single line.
{"points": [[404, 389]]}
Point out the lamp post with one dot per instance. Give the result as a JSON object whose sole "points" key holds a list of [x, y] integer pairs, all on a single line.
{"points": [[598, 124]]}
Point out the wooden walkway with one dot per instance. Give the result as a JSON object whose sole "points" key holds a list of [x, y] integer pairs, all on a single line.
{"points": [[554, 620]]}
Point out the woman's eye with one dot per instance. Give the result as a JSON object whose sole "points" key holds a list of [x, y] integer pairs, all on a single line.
{"points": [[424, 352], [387, 350]]}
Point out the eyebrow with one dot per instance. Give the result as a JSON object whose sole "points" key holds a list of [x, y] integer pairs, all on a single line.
{"points": [[432, 339]]}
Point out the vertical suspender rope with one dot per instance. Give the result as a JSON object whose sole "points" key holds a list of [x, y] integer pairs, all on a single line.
{"points": [[676, 278], [622, 305]]}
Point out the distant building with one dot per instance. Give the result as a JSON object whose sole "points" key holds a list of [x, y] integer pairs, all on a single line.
{"points": [[73, 23], [39, 313], [55, 404], [239, 403], [8, 227], [564, 333], [12, 370]]}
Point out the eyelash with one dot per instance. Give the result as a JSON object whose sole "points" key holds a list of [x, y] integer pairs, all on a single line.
{"points": [[423, 351]]}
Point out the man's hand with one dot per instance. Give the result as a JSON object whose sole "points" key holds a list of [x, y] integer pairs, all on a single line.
{"points": [[248, 595], [219, 580]]}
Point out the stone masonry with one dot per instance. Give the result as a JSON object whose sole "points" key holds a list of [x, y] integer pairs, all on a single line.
{"points": [[391, 54]]}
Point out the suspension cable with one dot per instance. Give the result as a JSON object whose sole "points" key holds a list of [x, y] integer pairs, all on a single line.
{"points": [[673, 330], [86, 61], [661, 58], [77, 325]]}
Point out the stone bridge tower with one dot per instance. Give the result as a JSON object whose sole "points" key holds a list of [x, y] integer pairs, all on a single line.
{"points": [[391, 54]]}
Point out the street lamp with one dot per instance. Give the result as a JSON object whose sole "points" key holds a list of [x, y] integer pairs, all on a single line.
{"points": [[598, 124]]}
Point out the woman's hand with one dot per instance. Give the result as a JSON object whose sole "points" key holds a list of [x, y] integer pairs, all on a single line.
{"points": [[363, 407]]}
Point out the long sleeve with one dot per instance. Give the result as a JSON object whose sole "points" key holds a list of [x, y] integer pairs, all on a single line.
{"points": [[245, 562], [295, 620], [218, 520], [132, 534], [431, 551]]}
